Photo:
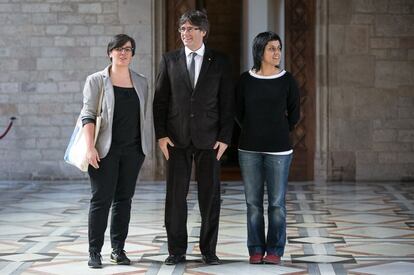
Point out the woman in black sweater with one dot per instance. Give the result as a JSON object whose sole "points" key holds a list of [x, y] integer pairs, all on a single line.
{"points": [[267, 110]]}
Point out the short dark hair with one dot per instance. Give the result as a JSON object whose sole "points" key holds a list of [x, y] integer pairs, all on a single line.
{"points": [[118, 41], [259, 45], [197, 18]]}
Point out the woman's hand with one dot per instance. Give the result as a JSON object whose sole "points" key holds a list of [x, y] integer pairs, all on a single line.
{"points": [[93, 157]]}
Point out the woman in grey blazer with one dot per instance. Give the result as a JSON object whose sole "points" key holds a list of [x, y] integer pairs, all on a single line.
{"points": [[120, 148]]}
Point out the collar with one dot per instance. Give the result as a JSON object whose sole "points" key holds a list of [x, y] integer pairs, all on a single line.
{"points": [[254, 74], [199, 52], [105, 72]]}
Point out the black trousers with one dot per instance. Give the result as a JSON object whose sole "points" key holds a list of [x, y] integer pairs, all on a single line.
{"points": [[178, 181], [112, 184]]}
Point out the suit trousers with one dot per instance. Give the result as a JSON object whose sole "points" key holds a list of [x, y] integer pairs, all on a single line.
{"points": [[113, 183], [208, 183]]}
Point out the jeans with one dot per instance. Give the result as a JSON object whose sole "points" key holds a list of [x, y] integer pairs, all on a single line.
{"points": [[257, 169]]}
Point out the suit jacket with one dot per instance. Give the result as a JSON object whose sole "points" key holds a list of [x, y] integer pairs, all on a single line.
{"points": [[90, 104], [202, 115]]}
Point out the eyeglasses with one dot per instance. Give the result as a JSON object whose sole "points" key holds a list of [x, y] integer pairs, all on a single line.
{"points": [[126, 49], [189, 29]]}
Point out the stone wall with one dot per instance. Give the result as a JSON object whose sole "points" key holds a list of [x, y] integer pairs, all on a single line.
{"points": [[47, 48], [366, 90]]}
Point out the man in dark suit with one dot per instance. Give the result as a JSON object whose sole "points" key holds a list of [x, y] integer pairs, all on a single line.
{"points": [[193, 117]]}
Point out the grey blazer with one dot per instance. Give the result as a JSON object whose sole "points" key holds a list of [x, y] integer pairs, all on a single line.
{"points": [[90, 104]]}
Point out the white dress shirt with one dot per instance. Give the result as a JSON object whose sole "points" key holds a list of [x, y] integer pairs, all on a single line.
{"points": [[198, 60]]}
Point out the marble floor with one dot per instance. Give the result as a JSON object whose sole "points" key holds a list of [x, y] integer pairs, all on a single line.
{"points": [[333, 228]]}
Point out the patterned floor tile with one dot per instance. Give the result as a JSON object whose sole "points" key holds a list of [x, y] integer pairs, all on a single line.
{"points": [[315, 240], [41, 205], [333, 228], [331, 198], [345, 259], [388, 249], [375, 232], [27, 217], [27, 257], [313, 225], [232, 249], [81, 248], [164, 239], [161, 257], [80, 267], [234, 231], [238, 219], [400, 268], [11, 229], [309, 212], [237, 206], [10, 246], [367, 218], [359, 207], [246, 269]]}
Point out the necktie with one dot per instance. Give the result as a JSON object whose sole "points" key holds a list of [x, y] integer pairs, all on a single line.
{"points": [[191, 70]]}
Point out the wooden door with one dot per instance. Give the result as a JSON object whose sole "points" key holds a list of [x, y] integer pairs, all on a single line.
{"points": [[225, 24], [175, 8], [300, 61]]}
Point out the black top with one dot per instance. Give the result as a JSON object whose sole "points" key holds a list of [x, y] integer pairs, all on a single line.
{"points": [[267, 109], [126, 126]]}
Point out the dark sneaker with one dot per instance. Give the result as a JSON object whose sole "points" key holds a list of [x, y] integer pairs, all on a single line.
{"points": [[118, 256], [210, 259], [174, 259], [95, 260]]}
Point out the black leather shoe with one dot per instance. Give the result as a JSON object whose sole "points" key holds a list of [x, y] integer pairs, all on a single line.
{"points": [[95, 260], [210, 259], [118, 256], [174, 259]]}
